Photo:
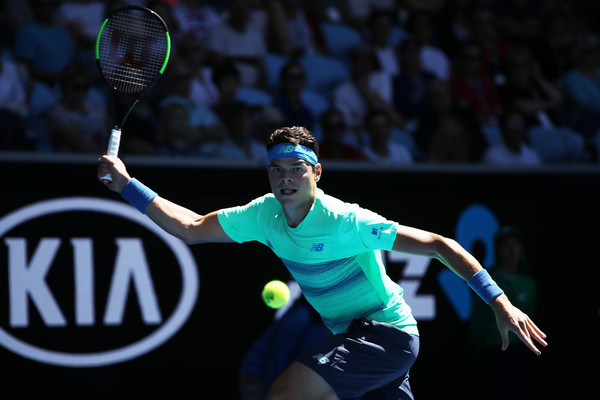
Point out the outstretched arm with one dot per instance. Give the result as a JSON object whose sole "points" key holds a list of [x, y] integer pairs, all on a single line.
{"points": [[455, 257], [174, 219]]}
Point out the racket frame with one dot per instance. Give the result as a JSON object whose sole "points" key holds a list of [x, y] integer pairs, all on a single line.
{"points": [[119, 119]]}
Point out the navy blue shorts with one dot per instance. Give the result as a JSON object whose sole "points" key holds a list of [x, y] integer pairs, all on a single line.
{"points": [[370, 356]]}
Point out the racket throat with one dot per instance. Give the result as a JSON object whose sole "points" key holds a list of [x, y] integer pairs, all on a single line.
{"points": [[122, 108]]}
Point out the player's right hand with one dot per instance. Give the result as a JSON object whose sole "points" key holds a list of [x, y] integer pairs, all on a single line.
{"points": [[117, 169]]}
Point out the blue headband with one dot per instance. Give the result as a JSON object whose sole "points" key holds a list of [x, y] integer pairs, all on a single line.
{"points": [[288, 150]]}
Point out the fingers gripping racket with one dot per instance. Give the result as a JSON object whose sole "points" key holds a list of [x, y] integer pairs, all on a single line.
{"points": [[132, 51]]}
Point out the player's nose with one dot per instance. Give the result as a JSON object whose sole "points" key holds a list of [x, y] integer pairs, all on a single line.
{"points": [[286, 177]]}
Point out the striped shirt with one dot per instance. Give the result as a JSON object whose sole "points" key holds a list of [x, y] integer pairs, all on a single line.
{"points": [[333, 254]]}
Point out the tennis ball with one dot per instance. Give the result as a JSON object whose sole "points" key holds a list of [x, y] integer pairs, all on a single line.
{"points": [[276, 294]]}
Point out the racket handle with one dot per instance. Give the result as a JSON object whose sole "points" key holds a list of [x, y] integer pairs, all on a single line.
{"points": [[112, 151]]}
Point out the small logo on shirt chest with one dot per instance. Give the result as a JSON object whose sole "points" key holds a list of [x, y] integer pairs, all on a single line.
{"points": [[377, 232], [317, 247]]}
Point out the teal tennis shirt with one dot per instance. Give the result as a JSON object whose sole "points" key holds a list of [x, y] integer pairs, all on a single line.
{"points": [[334, 255]]}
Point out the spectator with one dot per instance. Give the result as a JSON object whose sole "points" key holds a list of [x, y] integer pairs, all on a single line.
{"points": [[208, 129], [380, 25], [453, 24], [237, 41], [14, 14], [45, 47], [527, 89], [77, 122], [411, 82], [290, 31], [433, 59], [192, 50], [431, 132], [449, 143], [366, 89], [513, 150], [195, 18], [13, 107], [509, 374], [429, 6], [356, 12], [227, 82], [267, 120], [556, 45], [494, 46], [335, 144], [259, 16], [240, 143], [289, 100], [518, 19], [176, 136], [381, 149], [83, 19], [473, 89], [582, 90]]}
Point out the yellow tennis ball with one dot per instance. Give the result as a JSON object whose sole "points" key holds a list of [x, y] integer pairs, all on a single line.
{"points": [[276, 294]]}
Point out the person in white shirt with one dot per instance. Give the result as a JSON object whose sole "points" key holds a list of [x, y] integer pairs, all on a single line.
{"points": [[237, 41], [433, 58], [364, 90], [380, 149], [513, 150]]}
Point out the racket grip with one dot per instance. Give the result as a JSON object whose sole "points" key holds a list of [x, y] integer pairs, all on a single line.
{"points": [[112, 150]]}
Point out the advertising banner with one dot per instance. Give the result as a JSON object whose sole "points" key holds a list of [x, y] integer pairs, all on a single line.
{"points": [[96, 301]]}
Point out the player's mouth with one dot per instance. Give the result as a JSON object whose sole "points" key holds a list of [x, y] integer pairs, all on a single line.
{"points": [[287, 191]]}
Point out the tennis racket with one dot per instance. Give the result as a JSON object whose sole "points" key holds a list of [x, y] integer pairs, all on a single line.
{"points": [[132, 51]]}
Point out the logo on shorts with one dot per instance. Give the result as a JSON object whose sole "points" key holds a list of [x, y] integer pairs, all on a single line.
{"points": [[321, 359]]}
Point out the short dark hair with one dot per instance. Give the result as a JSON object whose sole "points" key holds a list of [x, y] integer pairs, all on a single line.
{"points": [[294, 135], [227, 70]]}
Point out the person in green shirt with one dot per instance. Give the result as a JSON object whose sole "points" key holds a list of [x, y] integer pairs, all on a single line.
{"points": [[510, 374], [333, 250]]}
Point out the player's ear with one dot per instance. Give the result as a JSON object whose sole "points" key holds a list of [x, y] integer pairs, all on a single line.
{"points": [[318, 172]]}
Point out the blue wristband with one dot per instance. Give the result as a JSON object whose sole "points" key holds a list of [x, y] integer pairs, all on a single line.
{"points": [[138, 194], [483, 284]]}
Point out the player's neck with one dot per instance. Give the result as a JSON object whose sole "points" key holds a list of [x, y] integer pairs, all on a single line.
{"points": [[294, 215]]}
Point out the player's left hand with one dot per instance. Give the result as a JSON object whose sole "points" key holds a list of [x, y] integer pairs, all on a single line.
{"points": [[510, 318]]}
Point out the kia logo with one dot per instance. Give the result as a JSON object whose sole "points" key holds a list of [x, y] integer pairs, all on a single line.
{"points": [[90, 282]]}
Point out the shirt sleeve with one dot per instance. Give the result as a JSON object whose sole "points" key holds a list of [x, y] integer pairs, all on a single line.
{"points": [[375, 231], [241, 223], [367, 230]]}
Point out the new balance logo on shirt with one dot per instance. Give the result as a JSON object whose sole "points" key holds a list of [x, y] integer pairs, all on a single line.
{"points": [[317, 247]]}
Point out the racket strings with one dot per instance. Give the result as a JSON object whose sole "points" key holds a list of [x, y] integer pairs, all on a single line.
{"points": [[132, 50]]}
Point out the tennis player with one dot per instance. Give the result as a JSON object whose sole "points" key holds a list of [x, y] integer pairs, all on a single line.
{"points": [[332, 250]]}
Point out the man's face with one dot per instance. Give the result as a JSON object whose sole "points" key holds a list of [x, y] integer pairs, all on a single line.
{"points": [[293, 181], [509, 252]]}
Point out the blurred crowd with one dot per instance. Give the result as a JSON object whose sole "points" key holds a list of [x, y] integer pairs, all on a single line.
{"points": [[495, 82]]}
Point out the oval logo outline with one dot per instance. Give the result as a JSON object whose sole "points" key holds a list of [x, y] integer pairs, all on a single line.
{"points": [[175, 321]]}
